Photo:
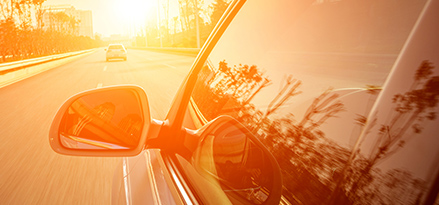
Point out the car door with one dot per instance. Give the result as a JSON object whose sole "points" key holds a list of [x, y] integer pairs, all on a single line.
{"points": [[340, 92]]}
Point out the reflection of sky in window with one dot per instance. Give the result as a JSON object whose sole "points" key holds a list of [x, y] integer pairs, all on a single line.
{"points": [[278, 50]]}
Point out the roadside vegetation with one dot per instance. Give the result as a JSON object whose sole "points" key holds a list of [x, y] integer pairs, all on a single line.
{"points": [[181, 31], [23, 35]]}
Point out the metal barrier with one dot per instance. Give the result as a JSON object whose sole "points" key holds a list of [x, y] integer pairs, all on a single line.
{"points": [[15, 71], [17, 65]]}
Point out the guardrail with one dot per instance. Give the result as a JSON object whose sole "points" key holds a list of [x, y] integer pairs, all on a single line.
{"points": [[184, 51], [17, 65], [15, 71]]}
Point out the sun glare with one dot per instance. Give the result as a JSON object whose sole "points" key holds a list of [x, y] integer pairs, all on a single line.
{"points": [[134, 11]]}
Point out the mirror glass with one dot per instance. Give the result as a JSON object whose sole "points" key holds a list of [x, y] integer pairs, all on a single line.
{"points": [[109, 119], [232, 159]]}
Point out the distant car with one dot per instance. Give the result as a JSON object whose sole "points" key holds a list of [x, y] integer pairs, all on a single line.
{"points": [[117, 51]]}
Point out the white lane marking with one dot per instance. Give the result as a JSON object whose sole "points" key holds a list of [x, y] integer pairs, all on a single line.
{"points": [[169, 66], [105, 68], [99, 85], [151, 176], [126, 181]]}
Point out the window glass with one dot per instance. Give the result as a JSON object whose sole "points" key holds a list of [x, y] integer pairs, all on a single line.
{"points": [[303, 77]]}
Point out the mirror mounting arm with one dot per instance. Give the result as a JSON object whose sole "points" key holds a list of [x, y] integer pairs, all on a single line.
{"points": [[163, 137], [154, 133]]}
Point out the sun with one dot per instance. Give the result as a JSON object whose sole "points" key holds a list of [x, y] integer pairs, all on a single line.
{"points": [[134, 12]]}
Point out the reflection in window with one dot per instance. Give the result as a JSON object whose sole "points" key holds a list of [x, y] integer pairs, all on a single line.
{"points": [[411, 112], [310, 154], [316, 162], [305, 86]]}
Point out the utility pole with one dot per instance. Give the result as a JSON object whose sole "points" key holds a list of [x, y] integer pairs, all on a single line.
{"points": [[158, 23], [196, 22]]}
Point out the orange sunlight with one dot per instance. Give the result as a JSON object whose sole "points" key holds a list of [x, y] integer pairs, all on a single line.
{"points": [[134, 12]]}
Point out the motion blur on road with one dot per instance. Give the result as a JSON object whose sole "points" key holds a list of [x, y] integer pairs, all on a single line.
{"points": [[32, 173]]}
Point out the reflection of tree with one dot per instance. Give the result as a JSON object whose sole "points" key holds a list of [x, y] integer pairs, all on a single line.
{"points": [[399, 185], [289, 90], [309, 159], [373, 91], [393, 187], [313, 166], [227, 88], [237, 81], [412, 108], [323, 105]]}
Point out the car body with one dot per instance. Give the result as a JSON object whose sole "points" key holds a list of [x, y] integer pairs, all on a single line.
{"points": [[343, 94], [116, 51]]}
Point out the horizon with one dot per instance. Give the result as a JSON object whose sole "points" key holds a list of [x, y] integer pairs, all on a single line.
{"points": [[130, 21]]}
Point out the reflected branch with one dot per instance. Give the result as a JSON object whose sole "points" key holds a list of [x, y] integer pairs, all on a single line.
{"points": [[412, 109]]}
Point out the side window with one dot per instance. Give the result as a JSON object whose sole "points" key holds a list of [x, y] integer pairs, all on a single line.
{"points": [[303, 77]]}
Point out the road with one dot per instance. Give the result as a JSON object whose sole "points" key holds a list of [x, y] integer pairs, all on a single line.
{"points": [[30, 172]]}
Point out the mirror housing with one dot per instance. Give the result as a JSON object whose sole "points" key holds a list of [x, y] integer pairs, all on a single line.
{"points": [[229, 155], [111, 121]]}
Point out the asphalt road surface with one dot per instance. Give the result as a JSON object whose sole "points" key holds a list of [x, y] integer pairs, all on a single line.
{"points": [[30, 172]]}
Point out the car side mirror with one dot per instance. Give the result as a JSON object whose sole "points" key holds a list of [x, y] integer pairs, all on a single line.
{"points": [[111, 121], [229, 155]]}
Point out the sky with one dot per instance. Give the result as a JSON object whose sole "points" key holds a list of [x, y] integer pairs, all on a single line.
{"points": [[120, 16]]}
